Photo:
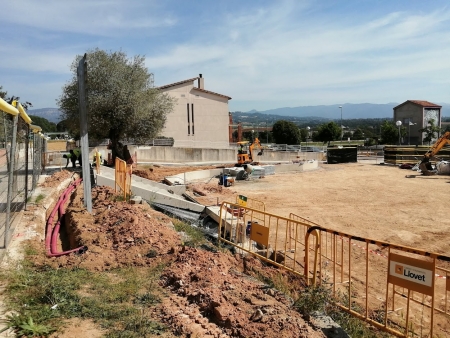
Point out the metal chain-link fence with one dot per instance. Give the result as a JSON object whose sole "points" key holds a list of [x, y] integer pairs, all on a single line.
{"points": [[5, 129], [37, 150], [20, 167]]}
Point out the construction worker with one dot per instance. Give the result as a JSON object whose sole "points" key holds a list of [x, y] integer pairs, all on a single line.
{"points": [[241, 149], [69, 157], [94, 160], [75, 155]]}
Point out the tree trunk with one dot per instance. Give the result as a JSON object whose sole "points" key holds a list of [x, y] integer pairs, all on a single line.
{"points": [[116, 146]]}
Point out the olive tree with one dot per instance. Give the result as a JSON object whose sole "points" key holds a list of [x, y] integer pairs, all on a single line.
{"points": [[122, 101]]}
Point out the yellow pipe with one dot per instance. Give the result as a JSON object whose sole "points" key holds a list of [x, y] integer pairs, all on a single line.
{"points": [[24, 114], [35, 129], [7, 108]]}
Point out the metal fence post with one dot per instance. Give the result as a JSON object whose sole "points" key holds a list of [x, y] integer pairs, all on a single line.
{"points": [[82, 101], [27, 143], [10, 179]]}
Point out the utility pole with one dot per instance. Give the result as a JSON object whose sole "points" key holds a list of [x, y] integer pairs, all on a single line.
{"points": [[84, 143]]}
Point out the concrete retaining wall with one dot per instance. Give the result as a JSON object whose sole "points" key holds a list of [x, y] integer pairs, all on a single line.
{"points": [[189, 176], [306, 166], [180, 155]]}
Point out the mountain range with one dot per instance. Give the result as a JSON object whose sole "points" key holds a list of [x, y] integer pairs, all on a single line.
{"points": [[333, 112], [322, 112], [51, 114]]}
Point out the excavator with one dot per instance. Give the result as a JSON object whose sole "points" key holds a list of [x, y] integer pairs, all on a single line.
{"points": [[425, 165], [246, 152]]}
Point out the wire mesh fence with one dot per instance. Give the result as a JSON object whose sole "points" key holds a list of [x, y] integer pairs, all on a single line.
{"points": [[20, 167], [6, 129], [37, 151]]}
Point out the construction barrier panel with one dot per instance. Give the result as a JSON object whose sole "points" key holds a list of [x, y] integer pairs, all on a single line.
{"points": [[263, 234], [397, 289], [400, 290], [123, 173], [247, 202]]}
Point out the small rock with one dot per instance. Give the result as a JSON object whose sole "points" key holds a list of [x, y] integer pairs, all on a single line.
{"points": [[271, 292], [136, 200], [257, 316]]}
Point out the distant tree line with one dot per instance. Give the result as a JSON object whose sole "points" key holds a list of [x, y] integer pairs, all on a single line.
{"points": [[288, 132], [46, 125]]}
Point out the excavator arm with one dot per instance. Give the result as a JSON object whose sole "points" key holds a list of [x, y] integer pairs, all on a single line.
{"points": [[255, 144], [435, 148]]}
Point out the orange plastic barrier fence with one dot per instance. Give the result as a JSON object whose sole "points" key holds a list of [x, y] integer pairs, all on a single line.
{"points": [[123, 173], [397, 289]]}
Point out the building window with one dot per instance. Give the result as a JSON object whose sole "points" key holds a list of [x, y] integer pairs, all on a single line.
{"points": [[192, 112], [188, 121]]}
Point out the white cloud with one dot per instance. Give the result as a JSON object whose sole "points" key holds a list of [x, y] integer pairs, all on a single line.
{"points": [[18, 57], [100, 17], [297, 52], [267, 54]]}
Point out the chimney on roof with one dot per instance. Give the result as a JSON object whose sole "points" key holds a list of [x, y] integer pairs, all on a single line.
{"points": [[201, 82]]}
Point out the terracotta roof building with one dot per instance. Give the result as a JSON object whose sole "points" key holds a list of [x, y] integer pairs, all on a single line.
{"points": [[200, 118], [415, 115]]}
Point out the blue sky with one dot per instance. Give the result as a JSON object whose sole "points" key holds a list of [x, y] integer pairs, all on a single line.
{"points": [[263, 54]]}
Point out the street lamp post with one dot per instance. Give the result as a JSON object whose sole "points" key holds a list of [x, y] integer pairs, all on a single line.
{"points": [[307, 135], [409, 131], [398, 124], [342, 129], [267, 134]]}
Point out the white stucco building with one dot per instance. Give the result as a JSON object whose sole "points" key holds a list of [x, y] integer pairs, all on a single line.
{"points": [[200, 118]]}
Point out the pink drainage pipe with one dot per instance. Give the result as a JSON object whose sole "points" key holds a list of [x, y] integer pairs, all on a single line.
{"points": [[51, 239]]}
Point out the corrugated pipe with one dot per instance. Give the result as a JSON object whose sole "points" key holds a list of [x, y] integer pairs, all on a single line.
{"points": [[51, 236]]}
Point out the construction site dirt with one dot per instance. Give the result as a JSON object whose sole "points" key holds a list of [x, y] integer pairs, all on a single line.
{"points": [[370, 200], [210, 292]]}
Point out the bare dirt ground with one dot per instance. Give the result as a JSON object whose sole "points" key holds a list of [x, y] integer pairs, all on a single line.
{"points": [[380, 202], [210, 296], [371, 200], [376, 201], [210, 293]]}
